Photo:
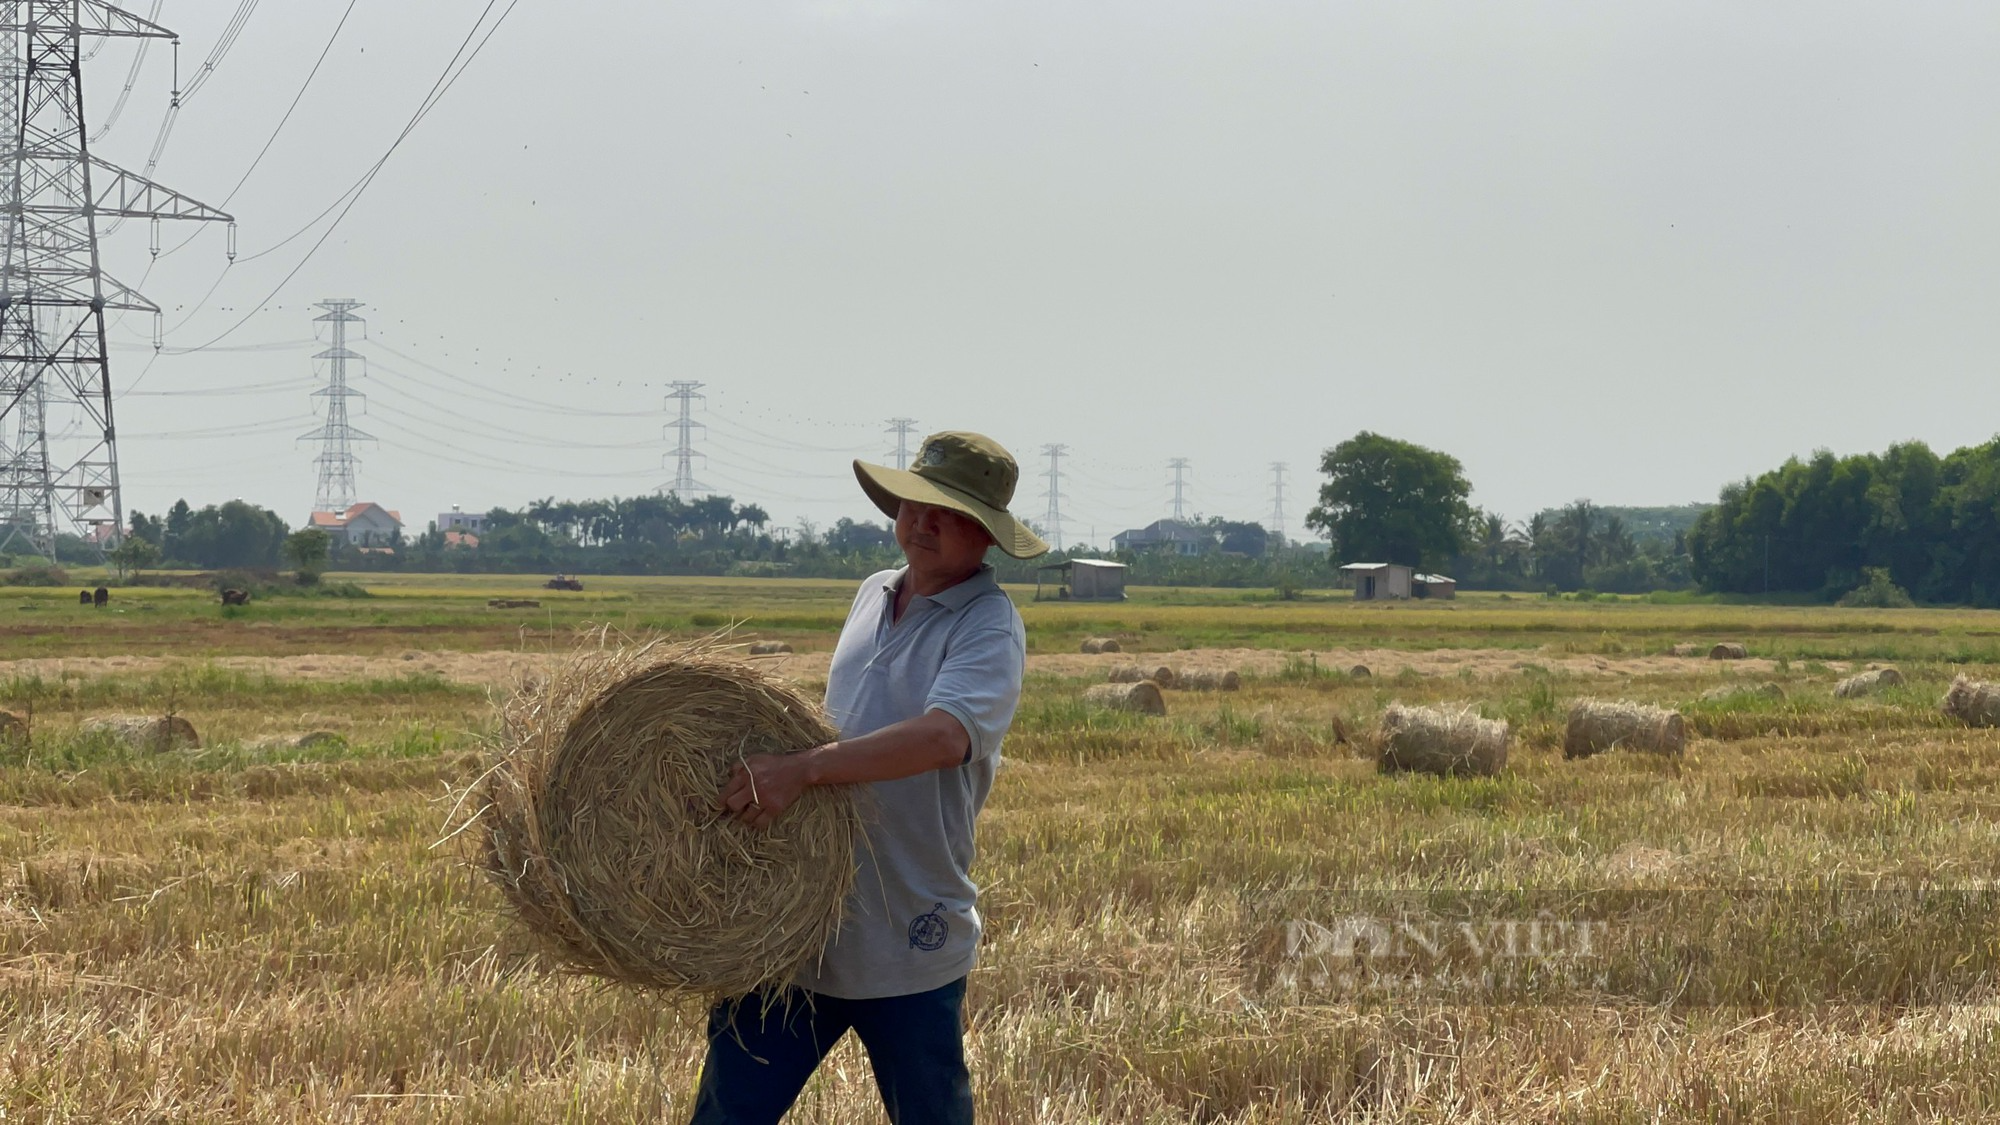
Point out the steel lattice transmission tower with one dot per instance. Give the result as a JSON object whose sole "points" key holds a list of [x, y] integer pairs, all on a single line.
{"points": [[336, 458], [53, 288], [1180, 467], [902, 428], [1053, 518], [683, 392], [1278, 501]]}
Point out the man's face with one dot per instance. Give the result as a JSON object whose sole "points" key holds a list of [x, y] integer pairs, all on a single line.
{"points": [[939, 540]]}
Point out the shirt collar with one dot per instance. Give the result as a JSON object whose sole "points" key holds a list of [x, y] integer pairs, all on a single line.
{"points": [[953, 598]]}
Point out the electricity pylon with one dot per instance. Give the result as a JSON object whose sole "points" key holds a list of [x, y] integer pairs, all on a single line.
{"points": [[1054, 518], [684, 484], [53, 289], [1180, 467], [902, 428], [336, 458]]}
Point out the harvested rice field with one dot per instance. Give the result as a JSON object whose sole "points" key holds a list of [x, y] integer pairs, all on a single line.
{"points": [[1225, 914]]}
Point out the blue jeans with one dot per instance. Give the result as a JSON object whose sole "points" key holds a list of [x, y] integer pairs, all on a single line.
{"points": [[758, 1062]]}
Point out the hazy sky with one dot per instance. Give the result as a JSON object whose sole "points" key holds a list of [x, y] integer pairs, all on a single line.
{"points": [[1625, 251]]}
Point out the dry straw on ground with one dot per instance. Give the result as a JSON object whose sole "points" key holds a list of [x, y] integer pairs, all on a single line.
{"points": [[1444, 741], [151, 733], [1974, 702], [1099, 644], [1202, 679], [1142, 697], [769, 648], [1596, 726], [1867, 683], [1685, 650], [600, 826], [1765, 690], [1132, 674], [1728, 650]]}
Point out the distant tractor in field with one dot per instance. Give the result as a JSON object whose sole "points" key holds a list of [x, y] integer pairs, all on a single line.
{"points": [[563, 582], [236, 597], [83, 597], [100, 597]]}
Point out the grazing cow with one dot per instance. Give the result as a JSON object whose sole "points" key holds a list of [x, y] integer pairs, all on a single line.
{"points": [[236, 597], [83, 597], [101, 597]]}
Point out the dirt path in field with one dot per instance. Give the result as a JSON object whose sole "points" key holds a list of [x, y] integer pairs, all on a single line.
{"points": [[504, 668]]}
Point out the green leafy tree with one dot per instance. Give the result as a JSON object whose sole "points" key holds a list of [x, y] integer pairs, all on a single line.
{"points": [[1392, 501], [133, 555], [308, 552]]}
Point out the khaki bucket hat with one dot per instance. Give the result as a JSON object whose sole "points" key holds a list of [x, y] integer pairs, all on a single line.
{"points": [[971, 474]]}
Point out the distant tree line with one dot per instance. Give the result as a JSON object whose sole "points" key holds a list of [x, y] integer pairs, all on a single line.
{"points": [[1818, 526]]}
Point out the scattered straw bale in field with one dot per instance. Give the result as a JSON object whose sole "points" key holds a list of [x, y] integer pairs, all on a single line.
{"points": [[1142, 697], [1867, 683], [600, 829], [1100, 644], [1449, 743], [1767, 690], [13, 728], [1202, 679], [1728, 650], [1132, 674], [1596, 726], [513, 603], [769, 648], [145, 732], [1684, 650], [1359, 672], [1973, 702]]}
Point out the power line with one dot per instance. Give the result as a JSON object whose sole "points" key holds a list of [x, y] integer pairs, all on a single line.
{"points": [[445, 81]]}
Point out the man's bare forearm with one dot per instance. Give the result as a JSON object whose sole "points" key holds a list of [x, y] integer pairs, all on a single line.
{"points": [[931, 741]]}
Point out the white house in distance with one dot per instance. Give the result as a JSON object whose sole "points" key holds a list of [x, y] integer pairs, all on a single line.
{"points": [[364, 525], [456, 520]]}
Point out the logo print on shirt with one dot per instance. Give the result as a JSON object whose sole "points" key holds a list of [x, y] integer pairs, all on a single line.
{"points": [[928, 931]]}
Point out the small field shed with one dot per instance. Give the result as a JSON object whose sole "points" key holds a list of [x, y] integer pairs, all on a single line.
{"points": [[1434, 586], [1377, 581], [1082, 580]]}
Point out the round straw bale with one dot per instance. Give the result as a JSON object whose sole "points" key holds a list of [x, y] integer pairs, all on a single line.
{"points": [[1142, 697], [1867, 683], [1684, 650], [1596, 726], [768, 648], [601, 831], [1205, 679], [1359, 672], [145, 732], [1728, 650], [1132, 674], [1449, 743], [1100, 644], [1974, 702]]}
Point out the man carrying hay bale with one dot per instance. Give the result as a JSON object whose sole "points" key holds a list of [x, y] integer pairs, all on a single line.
{"points": [[924, 682]]}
